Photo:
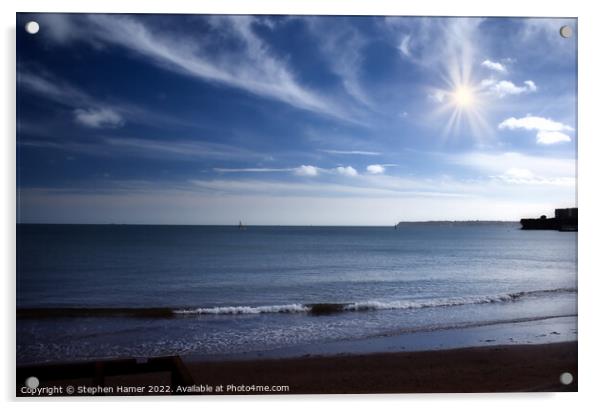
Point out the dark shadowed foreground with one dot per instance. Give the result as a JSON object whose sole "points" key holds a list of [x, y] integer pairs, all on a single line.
{"points": [[521, 368], [479, 369]]}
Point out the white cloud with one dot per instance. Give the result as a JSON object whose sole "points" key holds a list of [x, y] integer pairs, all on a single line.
{"points": [[531, 122], [375, 169], [504, 88], [98, 117], [495, 66], [552, 137], [306, 171], [347, 171], [548, 130]]}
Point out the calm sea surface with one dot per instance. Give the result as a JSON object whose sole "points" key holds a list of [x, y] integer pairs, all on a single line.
{"points": [[217, 290]]}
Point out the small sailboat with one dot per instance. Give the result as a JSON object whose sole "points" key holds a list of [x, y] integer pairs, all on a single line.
{"points": [[241, 227]]}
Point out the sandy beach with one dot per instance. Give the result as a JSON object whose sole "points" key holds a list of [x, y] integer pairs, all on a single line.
{"points": [[518, 368], [479, 369]]}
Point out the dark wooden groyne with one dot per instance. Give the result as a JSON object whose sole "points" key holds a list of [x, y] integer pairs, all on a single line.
{"points": [[95, 373]]}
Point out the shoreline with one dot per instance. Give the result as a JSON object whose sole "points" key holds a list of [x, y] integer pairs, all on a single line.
{"points": [[532, 331], [526, 331], [503, 368]]}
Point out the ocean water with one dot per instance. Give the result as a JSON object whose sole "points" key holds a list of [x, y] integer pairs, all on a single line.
{"points": [[103, 291]]}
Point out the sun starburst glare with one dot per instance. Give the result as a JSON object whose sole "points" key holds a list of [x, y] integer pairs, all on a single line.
{"points": [[463, 97], [465, 104]]}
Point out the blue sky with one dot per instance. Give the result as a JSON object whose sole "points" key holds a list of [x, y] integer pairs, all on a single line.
{"points": [[192, 119]]}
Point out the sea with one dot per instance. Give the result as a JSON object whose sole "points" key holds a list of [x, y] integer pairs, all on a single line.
{"points": [[89, 292]]}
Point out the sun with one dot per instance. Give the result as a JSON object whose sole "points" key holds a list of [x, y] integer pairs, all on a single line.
{"points": [[463, 97], [466, 103]]}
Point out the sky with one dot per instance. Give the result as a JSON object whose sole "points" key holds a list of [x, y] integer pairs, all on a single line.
{"points": [[293, 120]]}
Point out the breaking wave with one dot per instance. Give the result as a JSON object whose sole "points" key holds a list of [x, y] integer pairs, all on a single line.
{"points": [[245, 310], [328, 308], [309, 308]]}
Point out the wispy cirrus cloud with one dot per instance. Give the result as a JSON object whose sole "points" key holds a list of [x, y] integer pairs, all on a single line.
{"points": [[404, 45], [540, 37], [350, 152], [373, 188], [159, 149], [343, 47], [178, 148], [302, 170], [253, 67], [524, 176], [44, 84], [251, 170], [449, 46]]}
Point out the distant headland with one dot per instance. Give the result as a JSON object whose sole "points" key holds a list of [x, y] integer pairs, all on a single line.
{"points": [[444, 223]]}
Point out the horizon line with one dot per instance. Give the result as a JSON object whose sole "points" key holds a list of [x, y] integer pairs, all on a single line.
{"points": [[292, 225]]}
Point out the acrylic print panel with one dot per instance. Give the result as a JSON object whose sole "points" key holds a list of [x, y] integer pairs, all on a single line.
{"points": [[216, 204]]}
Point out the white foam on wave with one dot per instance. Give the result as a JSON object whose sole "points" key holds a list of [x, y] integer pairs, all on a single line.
{"points": [[453, 301], [444, 302], [245, 310], [372, 304]]}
